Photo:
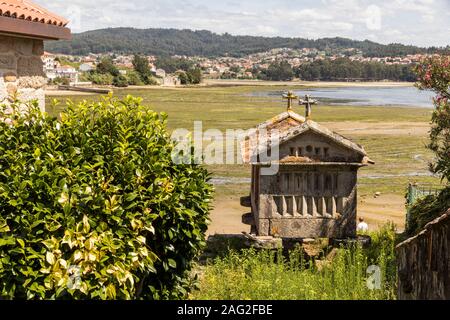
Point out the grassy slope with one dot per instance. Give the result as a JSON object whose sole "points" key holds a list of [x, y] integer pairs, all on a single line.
{"points": [[251, 275]]}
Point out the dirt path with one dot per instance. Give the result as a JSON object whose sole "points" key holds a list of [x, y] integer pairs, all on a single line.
{"points": [[61, 93], [226, 218], [378, 211]]}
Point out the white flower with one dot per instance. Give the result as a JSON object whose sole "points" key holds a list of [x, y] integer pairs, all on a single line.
{"points": [[63, 198]]}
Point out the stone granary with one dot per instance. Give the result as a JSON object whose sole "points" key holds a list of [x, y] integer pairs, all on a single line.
{"points": [[313, 194], [23, 28]]}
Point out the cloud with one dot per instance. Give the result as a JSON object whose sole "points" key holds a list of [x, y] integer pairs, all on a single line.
{"points": [[414, 5], [302, 15], [406, 21], [266, 30], [373, 17]]}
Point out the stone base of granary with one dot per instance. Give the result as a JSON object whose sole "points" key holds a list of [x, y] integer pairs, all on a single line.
{"points": [[307, 228]]}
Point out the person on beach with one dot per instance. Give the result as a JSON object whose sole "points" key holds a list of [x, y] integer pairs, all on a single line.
{"points": [[362, 227]]}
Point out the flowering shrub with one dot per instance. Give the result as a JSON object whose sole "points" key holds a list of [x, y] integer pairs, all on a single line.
{"points": [[92, 207], [434, 74]]}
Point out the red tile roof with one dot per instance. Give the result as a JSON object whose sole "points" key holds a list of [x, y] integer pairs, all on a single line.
{"points": [[26, 10]]}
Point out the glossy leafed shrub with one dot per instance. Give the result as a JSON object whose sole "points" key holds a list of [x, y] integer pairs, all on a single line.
{"points": [[92, 206]]}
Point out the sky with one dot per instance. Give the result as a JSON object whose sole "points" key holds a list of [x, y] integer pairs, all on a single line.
{"points": [[416, 22]]}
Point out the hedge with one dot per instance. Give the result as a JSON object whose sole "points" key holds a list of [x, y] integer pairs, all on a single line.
{"points": [[92, 206], [426, 210]]}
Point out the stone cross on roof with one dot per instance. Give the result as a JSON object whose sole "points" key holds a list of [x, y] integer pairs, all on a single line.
{"points": [[308, 102], [289, 96]]}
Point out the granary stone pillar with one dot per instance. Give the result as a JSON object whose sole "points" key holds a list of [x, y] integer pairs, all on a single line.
{"points": [[21, 70], [23, 28]]}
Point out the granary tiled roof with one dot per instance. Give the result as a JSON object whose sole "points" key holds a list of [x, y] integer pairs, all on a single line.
{"points": [[26, 10], [289, 126], [314, 126], [282, 123]]}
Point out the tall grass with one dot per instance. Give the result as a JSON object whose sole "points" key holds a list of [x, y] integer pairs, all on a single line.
{"points": [[253, 275]]}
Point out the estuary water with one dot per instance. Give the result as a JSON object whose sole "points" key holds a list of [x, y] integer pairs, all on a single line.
{"points": [[364, 96]]}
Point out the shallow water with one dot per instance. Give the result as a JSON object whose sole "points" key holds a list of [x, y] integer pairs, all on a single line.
{"points": [[364, 96]]}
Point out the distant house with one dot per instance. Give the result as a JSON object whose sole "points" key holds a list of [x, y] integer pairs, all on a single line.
{"points": [[91, 58], [248, 74], [67, 72], [171, 81], [23, 28], [50, 63], [86, 67]]}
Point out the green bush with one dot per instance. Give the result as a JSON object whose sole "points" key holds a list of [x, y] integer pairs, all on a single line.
{"points": [[195, 76], [149, 80], [134, 79], [107, 66], [433, 74], [426, 210], [120, 81], [92, 206], [84, 76], [192, 76], [183, 76], [101, 79], [61, 81]]}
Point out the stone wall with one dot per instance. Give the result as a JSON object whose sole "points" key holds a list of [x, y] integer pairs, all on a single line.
{"points": [[21, 70], [424, 263]]}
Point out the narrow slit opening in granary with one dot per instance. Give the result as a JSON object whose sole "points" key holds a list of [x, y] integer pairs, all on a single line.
{"points": [[289, 205], [278, 204]]}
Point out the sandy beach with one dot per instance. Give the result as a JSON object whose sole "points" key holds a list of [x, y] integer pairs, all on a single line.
{"points": [[59, 93]]}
